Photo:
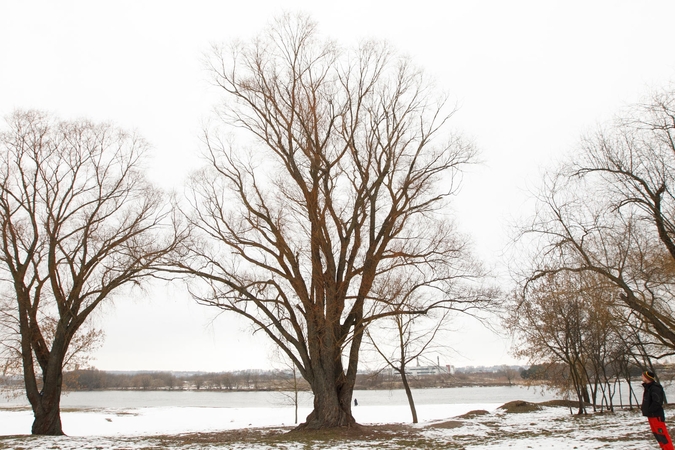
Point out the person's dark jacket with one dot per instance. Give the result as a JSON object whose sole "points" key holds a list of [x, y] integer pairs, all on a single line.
{"points": [[652, 400]]}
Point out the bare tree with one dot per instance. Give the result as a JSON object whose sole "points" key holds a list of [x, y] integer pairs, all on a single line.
{"points": [[510, 373], [343, 188], [608, 217], [292, 397], [549, 322], [290, 394], [79, 223], [612, 213], [410, 337]]}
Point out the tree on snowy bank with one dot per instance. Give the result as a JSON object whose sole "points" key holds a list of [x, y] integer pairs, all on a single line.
{"points": [[611, 212], [402, 339], [342, 192], [602, 248], [79, 223], [569, 324]]}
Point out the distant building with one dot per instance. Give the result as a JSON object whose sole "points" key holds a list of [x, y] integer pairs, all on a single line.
{"points": [[421, 371]]}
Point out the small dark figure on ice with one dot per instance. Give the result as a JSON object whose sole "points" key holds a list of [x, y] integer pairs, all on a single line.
{"points": [[652, 407], [356, 403]]}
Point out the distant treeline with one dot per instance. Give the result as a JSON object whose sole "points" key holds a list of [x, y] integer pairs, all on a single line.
{"points": [[258, 380], [547, 372], [93, 379]]}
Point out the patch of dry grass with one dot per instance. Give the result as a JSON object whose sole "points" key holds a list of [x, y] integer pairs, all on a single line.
{"points": [[390, 436]]}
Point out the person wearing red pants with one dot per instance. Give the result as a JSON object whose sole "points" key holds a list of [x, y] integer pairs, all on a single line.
{"points": [[652, 407]]}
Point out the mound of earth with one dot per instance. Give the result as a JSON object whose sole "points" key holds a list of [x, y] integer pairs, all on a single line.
{"points": [[473, 414], [520, 406], [447, 424]]}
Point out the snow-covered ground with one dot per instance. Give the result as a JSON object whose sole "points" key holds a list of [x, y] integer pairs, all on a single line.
{"points": [[167, 427], [175, 420]]}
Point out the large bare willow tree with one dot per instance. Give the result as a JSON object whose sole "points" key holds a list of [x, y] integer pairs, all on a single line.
{"points": [[78, 223], [342, 190]]}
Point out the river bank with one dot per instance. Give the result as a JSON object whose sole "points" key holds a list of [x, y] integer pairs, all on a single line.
{"points": [[261, 420], [444, 426]]}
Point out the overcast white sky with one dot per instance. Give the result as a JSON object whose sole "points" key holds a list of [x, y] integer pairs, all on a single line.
{"points": [[529, 77]]}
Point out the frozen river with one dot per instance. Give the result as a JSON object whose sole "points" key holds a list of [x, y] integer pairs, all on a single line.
{"points": [[268, 399], [111, 413]]}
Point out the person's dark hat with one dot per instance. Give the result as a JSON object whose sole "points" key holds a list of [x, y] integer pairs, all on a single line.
{"points": [[649, 375]]}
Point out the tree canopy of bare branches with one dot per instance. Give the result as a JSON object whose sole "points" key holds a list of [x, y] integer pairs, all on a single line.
{"points": [[338, 198], [78, 223], [598, 289], [611, 212], [568, 320]]}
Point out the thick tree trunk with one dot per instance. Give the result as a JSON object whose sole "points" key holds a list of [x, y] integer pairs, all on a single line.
{"points": [[332, 407], [48, 417], [331, 386], [46, 403], [332, 391], [47, 407]]}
